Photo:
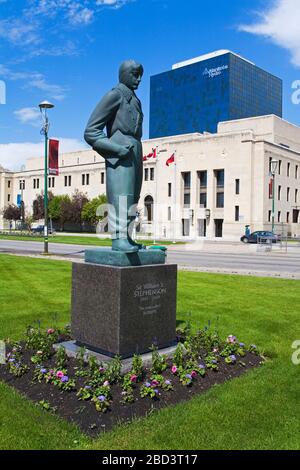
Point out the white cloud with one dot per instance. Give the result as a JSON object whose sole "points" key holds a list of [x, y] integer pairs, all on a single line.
{"points": [[34, 80], [14, 155], [29, 116], [281, 25]]}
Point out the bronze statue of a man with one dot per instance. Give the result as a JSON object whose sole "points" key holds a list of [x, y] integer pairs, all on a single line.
{"points": [[120, 112]]}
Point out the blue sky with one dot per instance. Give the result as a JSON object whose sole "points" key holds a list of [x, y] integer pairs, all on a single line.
{"points": [[69, 52]]}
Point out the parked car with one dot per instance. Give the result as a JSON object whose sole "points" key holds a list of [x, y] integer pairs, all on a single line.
{"points": [[40, 229], [260, 236]]}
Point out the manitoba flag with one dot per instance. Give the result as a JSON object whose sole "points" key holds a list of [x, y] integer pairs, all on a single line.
{"points": [[171, 159], [53, 157]]}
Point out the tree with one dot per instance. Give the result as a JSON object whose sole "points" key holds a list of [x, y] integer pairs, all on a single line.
{"points": [[38, 205], [89, 211], [79, 200], [12, 212], [60, 209]]}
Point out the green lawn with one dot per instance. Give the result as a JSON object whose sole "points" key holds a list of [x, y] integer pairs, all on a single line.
{"points": [[76, 240], [257, 411]]}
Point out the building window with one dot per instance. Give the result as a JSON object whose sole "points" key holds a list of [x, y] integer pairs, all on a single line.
{"points": [[220, 178], [279, 193], [279, 216], [288, 169], [34, 183], [237, 213], [102, 177], [169, 189], [237, 186], [203, 200], [296, 196], [202, 227], [169, 213], [202, 178], [87, 179], [22, 184], [8, 184], [66, 180], [148, 203], [279, 167], [151, 174], [287, 217], [186, 179], [146, 175], [51, 182], [37, 183], [296, 172], [8, 198], [295, 215], [83, 180], [70, 180], [269, 216], [288, 194], [186, 227]]}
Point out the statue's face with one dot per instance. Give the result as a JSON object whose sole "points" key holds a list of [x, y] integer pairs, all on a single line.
{"points": [[132, 77]]}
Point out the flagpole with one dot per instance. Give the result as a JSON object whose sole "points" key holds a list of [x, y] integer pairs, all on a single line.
{"points": [[174, 211], [156, 196]]}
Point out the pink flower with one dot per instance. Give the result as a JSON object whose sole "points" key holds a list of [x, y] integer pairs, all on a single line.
{"points": [[155, 383], [231, 339], [106, 383], [133, 378], [101, 369], [50, 331], [194, 374], [174, 369], [59, 374]]}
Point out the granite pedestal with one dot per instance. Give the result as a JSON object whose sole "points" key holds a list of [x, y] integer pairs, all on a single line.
{"points": [[123, 310]]}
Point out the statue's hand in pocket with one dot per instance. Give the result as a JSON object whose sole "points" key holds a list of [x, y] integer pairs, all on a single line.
{"points": [[125, 150]]}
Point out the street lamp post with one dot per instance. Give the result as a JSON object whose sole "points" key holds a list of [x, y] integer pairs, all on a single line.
{"points": [[273, 168], [44, 131]]}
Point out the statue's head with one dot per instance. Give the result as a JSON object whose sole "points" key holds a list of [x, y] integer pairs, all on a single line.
{"points": [[130, 74]]}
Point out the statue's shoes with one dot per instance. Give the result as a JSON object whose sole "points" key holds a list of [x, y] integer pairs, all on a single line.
{"points": [[139, 245], [121, 244]]}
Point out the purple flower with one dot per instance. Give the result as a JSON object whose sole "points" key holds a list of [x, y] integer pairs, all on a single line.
{"points": [[242, 345], [232, 357], [11, 360], [43, 371], [147, 384], [188, 376], [87, 387], [102, 398], [214, 361], [201, 366], [253, 346], [156, 391], [168, 382], [65, 379]]}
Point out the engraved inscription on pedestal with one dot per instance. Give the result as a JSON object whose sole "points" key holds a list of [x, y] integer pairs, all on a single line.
{"points": [[123, 310]]}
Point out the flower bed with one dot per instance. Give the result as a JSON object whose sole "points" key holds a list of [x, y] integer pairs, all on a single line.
{"points": [[96, 397]]}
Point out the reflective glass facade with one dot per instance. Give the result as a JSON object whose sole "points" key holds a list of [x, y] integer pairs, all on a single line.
{"points": [[196, 97]]}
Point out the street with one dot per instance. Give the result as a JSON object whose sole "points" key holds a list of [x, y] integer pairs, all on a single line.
{"points": [[231, 259]]}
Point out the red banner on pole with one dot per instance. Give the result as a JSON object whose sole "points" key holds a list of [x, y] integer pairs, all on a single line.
{"points": [[171, 159], [53, 157], [271, 189]]}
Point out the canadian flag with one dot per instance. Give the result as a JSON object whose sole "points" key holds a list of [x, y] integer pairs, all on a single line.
{"points": [[171, 159], [152, 154]]}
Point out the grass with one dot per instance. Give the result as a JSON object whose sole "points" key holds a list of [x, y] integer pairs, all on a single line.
{"points": [[77, 240], [257, 411]]}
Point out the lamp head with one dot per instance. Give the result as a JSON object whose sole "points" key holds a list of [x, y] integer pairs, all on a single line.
{"points": [[46, 105]]}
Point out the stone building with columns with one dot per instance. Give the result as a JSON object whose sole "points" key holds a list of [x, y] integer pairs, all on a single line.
{"points": [[217, 184]]}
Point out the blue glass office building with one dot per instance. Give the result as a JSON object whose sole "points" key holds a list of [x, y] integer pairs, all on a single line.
{"points": [[196, 96]]}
